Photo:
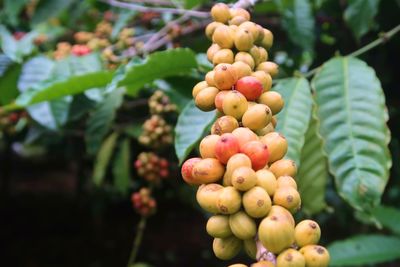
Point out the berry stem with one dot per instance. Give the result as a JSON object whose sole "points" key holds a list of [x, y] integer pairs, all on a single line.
{"points": [[137, 241]]}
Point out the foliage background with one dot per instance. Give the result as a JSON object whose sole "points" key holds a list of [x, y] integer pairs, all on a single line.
{"points": [[53, 213]]}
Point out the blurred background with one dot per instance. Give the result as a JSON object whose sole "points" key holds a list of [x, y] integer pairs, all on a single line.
{"points": [[69, 167]]}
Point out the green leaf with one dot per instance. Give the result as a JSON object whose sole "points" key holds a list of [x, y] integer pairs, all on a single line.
{"points": [[34, 71], [203, 63], [12, 8], [43, 79], [158, 65], [191, 125], [121, 167], [80, 106], [47, 9], [103, 158], [294, 118], [192, 3], [26, 45], [353, 116], [8, 84], [64, 87], [364, 250], [14, 49], [389, 217], [298, 21], [99, 122], [9, 44], [51, 115], [359, 15], [313, 170], [5, 62]]}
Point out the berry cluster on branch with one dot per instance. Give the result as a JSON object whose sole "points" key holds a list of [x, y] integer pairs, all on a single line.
{"points": [[243, 176]]}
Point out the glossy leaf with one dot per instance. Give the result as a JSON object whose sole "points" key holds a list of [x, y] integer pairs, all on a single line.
{"points": [[364, 250], [68, 86], [353, 116], [313, 174], [121, 167], [34, 71], [193, 3], [8, 44], [14, 49], [8, 84], [51, 115], [44, 80], [359, 15], [389, 217], [38, 72], [294, 118], [99, 122], [191, 125], [298, 21], [103, 158], [158, 65], [5, 62]]}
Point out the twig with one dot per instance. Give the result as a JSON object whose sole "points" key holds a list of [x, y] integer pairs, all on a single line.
{"points": [[153, 2], [164, 30], [167, 38], [192, 13], [383, 38], [137, 241], [244, 3]]}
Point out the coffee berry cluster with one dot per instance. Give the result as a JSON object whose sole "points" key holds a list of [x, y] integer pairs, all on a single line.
{"points": [[152, 167], [9, 121], [156, 132], [244, 179], [159, 103], [143, 202]]}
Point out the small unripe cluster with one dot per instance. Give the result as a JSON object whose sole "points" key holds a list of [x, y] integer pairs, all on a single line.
{"points": [[103, 29], [160, 103], [152, 167], [63, 50], [125, 38], [10, 120], [243, 177], [156, 132], [143, 202], [83, 37]]}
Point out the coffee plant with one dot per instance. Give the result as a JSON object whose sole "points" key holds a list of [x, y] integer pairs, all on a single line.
{"points": [[267, 117]]}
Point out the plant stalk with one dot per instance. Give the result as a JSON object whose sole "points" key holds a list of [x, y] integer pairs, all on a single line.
{"points": [[137, 241], [383, 38]]}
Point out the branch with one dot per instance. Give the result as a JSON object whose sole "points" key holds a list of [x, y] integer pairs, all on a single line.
{"points": [[383, 38], [137, 241], [244, 3], [140, 8], [153, 2], [164, 30]]}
